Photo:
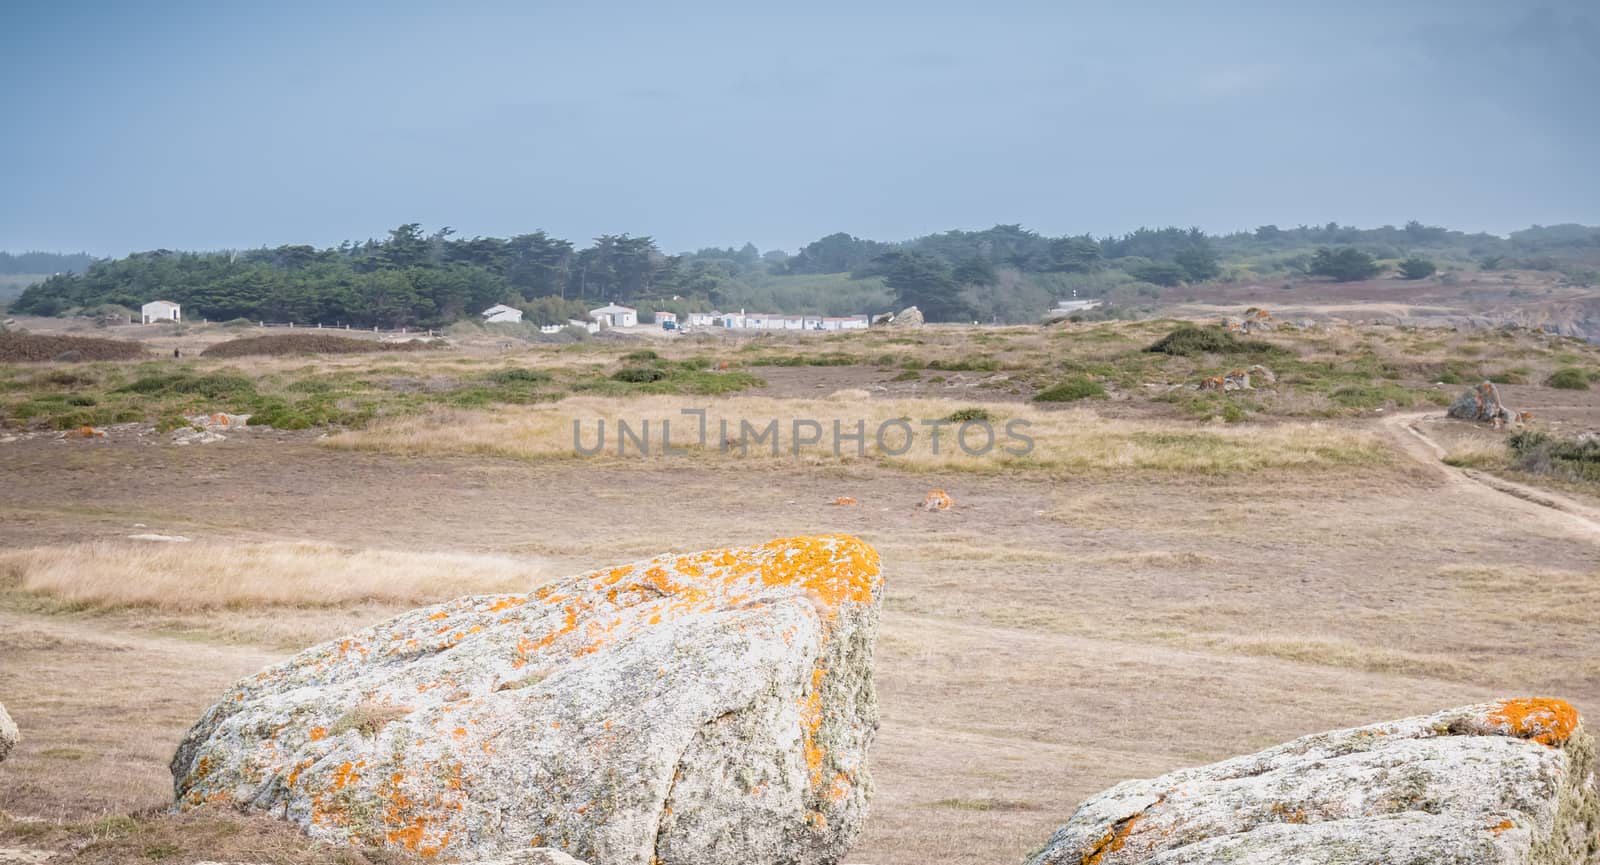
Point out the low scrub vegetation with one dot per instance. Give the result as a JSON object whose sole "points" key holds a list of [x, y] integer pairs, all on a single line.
{"points": [[340, 393], [1072, 390], [1568, 378], [1189, 341], [1074, 440], [1545, 454], [32, 347], [288, 344], [1327, 372]]}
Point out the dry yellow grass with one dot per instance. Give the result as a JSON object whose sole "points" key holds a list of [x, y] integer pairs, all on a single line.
{"points": [[1070, 440], [207, 576]]}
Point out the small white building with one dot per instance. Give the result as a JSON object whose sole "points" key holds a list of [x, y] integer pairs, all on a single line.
{"points": [[845, 322], [615, 315], [704, 319], [662, 317], [161, 310], [501, 313], [571, 322]]}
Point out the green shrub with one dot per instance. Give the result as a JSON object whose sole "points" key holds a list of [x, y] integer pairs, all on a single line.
{"points": [[638, 375], [146, 385], [981, 363], [212, 386], [1546, 454], [966, 415], [81, 399], [1188, 340], [1569, 378], [908, 375], [1071, 390], [832, 358], [641, 356], [520, 375]]}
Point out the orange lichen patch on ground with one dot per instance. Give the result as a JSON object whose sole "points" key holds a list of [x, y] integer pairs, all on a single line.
{"points": [[1502, 826], [1546, 721], [1112, 842], [507, 603], [318, 733], [845, 500], [1285, 814], [937, 500], [442, 614]]}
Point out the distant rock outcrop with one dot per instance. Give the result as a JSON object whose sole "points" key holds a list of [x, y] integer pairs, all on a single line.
{"points": [[908, 317], [705, 708], [1481, 404], [1508, 783], [8, 734]]}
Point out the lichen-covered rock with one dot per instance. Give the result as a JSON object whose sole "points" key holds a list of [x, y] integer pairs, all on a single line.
{"points": [[908, 317], [1495, 784], [1481, 403], [8, 733], [1260, 373], [704, 708], [536, 856]]}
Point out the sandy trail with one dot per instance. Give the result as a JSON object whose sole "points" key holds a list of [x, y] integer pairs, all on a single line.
{"points": [[1413, 441]]}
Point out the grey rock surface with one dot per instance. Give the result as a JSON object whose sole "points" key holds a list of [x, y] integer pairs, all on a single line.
{"points": [[1481, 403], [8, 734], [704, 708], [1508, 783]]}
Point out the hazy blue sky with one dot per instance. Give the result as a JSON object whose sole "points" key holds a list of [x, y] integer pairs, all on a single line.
{"points": [[231, 124]]}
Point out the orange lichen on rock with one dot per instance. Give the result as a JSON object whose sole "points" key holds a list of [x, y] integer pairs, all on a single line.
{"points": [[1112, 842], [1546, 721], [937, 500], [1502, 826], [845, 501]]}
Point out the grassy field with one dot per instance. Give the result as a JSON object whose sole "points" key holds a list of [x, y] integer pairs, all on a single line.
{"points": [[1152, 587], [896, 433], [1321, 373]]}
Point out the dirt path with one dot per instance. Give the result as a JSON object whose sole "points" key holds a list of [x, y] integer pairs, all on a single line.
{"points": [[1407, 433]]}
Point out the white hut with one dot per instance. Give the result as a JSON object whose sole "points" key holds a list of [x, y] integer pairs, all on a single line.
{"points": [[501, 313], [161, 310], [615, 315]]}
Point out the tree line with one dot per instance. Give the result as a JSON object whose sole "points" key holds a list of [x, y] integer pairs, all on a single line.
{"points": [[413, 278], [44, 262]]}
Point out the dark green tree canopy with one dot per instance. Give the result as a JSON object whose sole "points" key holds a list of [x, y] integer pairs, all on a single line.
{"points": [[1344, 264], [414, 277], [1417, 268], [924, 281]]}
